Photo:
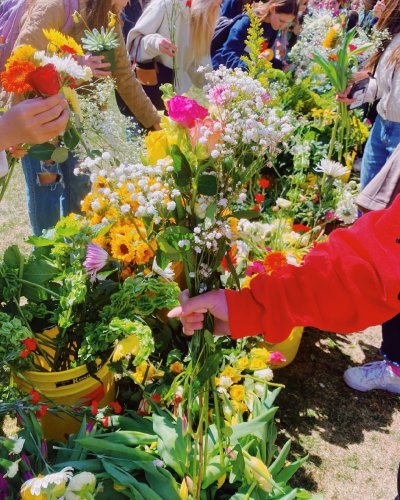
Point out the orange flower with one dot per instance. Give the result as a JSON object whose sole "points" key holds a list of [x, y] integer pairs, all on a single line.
{"points": [[333, 57], [14, 79], [273, 261]]}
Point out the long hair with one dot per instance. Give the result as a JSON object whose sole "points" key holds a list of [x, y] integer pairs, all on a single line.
{"points": [[389, 20], [263, 10], [203, 15], [96, 14]]}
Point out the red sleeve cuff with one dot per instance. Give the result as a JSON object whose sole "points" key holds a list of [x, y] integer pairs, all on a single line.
{"points": [[245, 314]]}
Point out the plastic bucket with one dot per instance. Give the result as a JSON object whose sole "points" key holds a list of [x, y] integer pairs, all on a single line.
{"points": [[74, 388], [288, 347]]}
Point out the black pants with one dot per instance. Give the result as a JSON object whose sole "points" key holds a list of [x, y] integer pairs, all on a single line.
{"points": [[391, 339]]}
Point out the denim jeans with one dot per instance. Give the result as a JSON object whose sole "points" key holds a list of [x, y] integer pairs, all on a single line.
{"points": [[383, 140], [47, 202]]}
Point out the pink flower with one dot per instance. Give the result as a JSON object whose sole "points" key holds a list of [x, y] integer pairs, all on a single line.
{"points": [[185, 111], [205, 128], [352, 47], [255, 268], [276, 358], [96, 259], [265, 97], [330, 215], [220, 94]]}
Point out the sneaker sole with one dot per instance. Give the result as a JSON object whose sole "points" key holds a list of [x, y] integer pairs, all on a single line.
{"points": [[394, 389]]}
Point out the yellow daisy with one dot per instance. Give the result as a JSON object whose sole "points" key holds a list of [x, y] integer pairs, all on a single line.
{"points": [[21, 53], [73, 101]]}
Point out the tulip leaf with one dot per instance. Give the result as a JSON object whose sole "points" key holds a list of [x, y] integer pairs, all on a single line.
{"points": [[182, 171], [71, 138], [171, 443]]}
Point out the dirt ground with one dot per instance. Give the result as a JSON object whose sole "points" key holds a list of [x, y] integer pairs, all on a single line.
{"points": [[352, 438]]}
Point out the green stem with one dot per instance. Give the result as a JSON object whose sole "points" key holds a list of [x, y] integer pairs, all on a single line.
{"points": [[7, 179], [50, 292]]}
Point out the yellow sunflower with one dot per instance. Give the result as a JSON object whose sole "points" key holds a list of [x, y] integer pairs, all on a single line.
{"points": [[332, 38]]}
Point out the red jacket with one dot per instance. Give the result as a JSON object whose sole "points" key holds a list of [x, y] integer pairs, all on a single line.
{"points": [[346, 284]]}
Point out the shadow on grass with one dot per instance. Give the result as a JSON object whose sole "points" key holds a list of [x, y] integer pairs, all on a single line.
{"points": [[317, 399]]}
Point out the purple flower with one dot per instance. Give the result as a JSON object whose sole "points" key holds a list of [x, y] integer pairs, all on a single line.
{"points": [[96, 259], [25, 459], [89, 427], [27, 475], [3, 487]]}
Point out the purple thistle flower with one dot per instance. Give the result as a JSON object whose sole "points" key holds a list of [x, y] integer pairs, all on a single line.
{"points": [[96, 259]]}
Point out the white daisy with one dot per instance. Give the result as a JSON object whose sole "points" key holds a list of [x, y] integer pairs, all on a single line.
{"points": [[331, 168], [37, 484]]}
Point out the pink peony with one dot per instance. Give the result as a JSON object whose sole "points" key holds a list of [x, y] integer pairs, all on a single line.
{"points": [[276, 358], [185, 111]]}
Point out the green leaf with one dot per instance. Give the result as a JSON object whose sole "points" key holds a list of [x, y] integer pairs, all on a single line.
{"points": [[39, 241], [171, 443], [208, 370], [105, 448], [253, 427], [213, 472], [182, 170], [60, 155], [129, 438], [169, 239], [245, 214], [210, 211], [279, 462], [71, 138], [12, 257], [41, 151], [207, 185], [287, 472], [161, 481]]}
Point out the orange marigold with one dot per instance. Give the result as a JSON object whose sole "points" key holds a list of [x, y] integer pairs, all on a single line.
{"points": [[273, 261], [14, 79]]}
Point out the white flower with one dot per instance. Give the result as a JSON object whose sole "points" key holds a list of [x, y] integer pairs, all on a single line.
{"points": [[225, 381], [125, 208], [37, 484], [106, 156], [18, 445], [183, 243], [12, 470], [167, 273], [80, 485], [264, 374], [259, 389], [331, 168], [171, 205], [283, 203]]}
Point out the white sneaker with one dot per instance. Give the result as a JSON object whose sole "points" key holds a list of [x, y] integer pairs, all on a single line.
{"points": [[376, 375]]}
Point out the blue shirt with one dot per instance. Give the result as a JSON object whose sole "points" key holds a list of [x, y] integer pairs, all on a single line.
{"points": [[235, 45], [231, 8]]}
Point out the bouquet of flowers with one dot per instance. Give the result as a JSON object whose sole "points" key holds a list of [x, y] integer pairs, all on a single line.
{"points": [[33, 73]]}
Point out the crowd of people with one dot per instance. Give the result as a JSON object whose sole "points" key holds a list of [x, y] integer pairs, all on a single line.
{"points": [[356, 272]]}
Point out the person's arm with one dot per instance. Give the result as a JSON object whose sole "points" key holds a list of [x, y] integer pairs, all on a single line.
{"points": [[130, 89], [234, 47], [33, 121], [346, 284]]}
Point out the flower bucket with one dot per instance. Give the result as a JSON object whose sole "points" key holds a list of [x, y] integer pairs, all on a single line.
{"points": [[109, 56], [288, 347], [74, 388]]}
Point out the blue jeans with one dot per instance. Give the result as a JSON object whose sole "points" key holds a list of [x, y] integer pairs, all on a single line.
{"points": [[49, 198], [383, 140]]}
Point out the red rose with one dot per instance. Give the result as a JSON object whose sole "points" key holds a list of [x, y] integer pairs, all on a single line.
{"points": [[263, 183], [24, 353], [45, 80], [30, 344], [259, 198], [256, 208], [116, 407]]}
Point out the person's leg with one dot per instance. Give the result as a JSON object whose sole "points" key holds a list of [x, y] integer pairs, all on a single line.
{"points": [[44, 186], [76, 187], [390, 347], [375, 153]]}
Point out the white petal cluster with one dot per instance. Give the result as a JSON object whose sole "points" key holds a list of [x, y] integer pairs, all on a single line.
{"points": [[66, 65], [331, 168], [37, 484]]}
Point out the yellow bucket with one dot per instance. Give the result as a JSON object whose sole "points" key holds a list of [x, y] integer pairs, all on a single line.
{"points": [[74, 388], [288, 347]]}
